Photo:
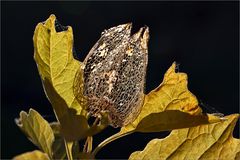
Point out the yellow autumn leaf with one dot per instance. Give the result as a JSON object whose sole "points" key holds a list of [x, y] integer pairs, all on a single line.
{"points": [[170, 106], [72, 126], [55, 61], [37, 130], [173, 119], [36, 155], [58, 68], [206, 142]]}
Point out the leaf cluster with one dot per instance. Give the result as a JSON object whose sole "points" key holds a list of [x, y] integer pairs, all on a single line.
{"points": [[169, 107]]}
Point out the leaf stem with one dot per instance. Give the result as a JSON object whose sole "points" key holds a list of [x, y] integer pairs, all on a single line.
{"points": [[89, 147], [68, 146], [88, 143]]}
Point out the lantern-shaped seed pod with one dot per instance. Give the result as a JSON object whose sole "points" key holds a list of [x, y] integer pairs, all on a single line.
{"points": [[114, 74]]}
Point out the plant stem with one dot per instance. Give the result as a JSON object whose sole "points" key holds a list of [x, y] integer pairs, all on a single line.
{"points": [[108, 140], [95, 121], [68, 146], [89, 147], [88, 143]]}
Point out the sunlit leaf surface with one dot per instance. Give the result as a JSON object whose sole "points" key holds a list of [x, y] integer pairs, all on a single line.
{"points": [[206, 142], [37, 130], [170, 106], [54, 58], [36, 155]]}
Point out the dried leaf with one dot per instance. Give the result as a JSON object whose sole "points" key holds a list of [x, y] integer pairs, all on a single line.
{"points": [[54, 58], [211, 141], [36, 155], [37, 130]]}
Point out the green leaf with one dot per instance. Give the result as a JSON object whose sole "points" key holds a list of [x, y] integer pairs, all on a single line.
{"points": [[34, 155], [37, 130], [206, 142], [55, 62]]}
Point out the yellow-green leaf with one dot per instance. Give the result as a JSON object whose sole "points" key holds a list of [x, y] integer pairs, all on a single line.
{"points": [[170, 106], [34, 155], [206, 142], [58, 68], [54, 58], [56, 128], [73, 126], [37, 130]]}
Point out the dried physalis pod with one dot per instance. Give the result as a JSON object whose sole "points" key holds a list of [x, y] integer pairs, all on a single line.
{"points": [[114, 74]]}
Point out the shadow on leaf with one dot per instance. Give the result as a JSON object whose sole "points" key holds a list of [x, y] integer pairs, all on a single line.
{"points": [[173, 119], [73, 126]]}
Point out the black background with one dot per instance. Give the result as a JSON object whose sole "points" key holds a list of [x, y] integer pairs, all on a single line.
{"points": [[202, 36]]}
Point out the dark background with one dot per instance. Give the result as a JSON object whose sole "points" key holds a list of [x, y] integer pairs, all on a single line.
{"points": [[202, 36]]}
